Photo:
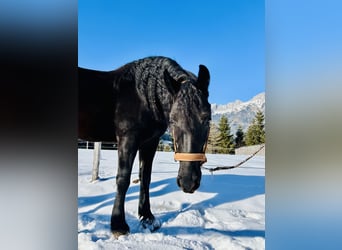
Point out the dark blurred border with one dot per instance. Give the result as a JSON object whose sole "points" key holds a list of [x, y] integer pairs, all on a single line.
{"points": [[303, 124], [38, 108]]}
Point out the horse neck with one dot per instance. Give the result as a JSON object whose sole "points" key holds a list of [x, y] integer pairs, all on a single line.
{"points": [[159, 100], [164, 103]]}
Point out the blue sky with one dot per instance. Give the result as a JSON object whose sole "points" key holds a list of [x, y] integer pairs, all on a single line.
{"points": [[226, 36]]}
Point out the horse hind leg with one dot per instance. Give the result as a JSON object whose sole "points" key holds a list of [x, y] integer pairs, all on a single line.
{"points": [[146, 155]]}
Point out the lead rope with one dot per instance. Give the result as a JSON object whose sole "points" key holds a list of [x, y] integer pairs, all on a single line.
{"points": [[235, 166], [211, 170]]}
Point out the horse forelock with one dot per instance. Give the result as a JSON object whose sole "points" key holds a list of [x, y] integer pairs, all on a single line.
{"points": [[190, 103]]}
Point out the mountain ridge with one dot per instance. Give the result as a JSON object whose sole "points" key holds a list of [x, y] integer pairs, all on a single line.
{"points": [[239, 112]]}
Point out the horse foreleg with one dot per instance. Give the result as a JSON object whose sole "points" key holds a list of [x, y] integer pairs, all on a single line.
{"points": [[146, 154], [126, 153]]}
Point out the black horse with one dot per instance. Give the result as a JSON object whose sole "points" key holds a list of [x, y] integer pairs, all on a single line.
{"points": [[133, 106]]}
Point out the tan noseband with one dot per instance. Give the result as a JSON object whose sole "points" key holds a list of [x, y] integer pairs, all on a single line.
{"points": [[190, 156]]}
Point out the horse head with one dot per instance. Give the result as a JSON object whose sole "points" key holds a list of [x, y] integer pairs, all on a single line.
{"points": [[189, 123]]}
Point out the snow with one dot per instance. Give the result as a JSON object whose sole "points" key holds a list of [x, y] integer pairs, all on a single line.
{"points": [[226, 212]]}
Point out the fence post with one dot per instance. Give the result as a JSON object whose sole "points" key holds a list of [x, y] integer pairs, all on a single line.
{"points": [[96, 161]]}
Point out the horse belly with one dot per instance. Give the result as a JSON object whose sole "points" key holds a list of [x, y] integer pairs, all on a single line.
{"points": [[96, 127]]}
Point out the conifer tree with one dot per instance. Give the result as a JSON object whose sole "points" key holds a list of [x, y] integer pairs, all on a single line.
{"points": [[213, 137], [251, 138], [260, 120], [256, 131], [225, 139], [239, 137]]}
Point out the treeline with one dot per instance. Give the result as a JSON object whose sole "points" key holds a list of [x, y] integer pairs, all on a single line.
{"points": [[222, 141]]}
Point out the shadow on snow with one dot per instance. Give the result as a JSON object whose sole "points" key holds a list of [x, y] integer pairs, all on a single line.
{"points": [[226, 188]]}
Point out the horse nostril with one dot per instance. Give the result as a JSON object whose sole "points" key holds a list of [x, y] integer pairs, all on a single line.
{"points": [[197, 184]]}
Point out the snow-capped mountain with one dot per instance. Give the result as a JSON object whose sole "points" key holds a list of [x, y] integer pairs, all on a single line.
{"points": [[238, 112]]}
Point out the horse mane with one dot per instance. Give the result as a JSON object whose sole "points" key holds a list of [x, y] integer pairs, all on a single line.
{"points": [[148, 75]]}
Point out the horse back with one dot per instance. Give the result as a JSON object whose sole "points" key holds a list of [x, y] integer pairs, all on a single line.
{"points": [[96, 102]]}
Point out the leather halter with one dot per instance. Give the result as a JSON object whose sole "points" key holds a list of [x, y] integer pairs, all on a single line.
{"points": [[190, 156]]}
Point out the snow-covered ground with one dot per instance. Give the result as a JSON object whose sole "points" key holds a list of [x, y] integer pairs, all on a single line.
{"points": [[226, 212]]}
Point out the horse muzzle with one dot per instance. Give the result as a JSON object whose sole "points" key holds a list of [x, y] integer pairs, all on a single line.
{"points": [[187, 184]]}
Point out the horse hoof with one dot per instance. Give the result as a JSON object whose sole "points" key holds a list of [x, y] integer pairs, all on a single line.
{"points": [[117, 234], [119, 229], [150, 225]]}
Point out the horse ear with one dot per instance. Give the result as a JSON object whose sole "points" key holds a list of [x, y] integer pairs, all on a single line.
{"points": [[203, 79], [172, 85]]}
